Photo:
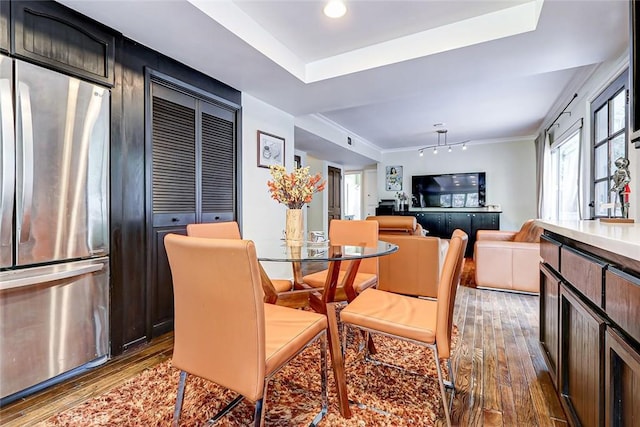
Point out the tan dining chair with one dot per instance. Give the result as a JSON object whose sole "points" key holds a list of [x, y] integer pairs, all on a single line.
{"points": [[356, 233], [230, 230], [224, 332], [423, 322]]}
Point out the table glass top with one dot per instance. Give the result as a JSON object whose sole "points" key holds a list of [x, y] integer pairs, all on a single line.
{"points": [[280, 250]]}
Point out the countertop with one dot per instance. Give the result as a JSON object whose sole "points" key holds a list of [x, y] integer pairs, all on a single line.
{"points": [[623, 239]]}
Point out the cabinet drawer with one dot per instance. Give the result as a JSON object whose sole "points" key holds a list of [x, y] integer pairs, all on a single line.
{"points": [[622, 381], [584, 272], [550, 252], [622, 299]]}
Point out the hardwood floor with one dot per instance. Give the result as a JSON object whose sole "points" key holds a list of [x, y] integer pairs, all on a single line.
{"points": [[501, 381]]}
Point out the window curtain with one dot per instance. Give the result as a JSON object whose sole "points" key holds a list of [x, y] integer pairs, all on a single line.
{"points": [[545, 192]]}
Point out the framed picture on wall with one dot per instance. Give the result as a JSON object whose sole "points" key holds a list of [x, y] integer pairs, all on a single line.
{"points": [[270, 150], [393, 178]]}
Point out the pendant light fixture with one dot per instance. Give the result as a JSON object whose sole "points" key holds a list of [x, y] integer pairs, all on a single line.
{"points": [[443, 143]]}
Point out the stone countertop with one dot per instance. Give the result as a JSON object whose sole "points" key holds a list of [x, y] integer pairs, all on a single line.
{"points": [[619, 238]]}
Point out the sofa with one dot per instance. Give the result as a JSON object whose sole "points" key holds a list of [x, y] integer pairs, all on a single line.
{"points": [[509, 260], [415, 268]]}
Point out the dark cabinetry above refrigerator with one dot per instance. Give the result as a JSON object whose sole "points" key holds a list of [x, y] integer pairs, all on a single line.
{"points": [[49, 34]]}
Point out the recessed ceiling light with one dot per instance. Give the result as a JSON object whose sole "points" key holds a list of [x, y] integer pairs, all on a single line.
{"points": [[335, 9]]}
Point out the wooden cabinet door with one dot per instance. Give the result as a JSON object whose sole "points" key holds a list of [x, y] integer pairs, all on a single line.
{"points": [[622, 381], [549, 320], [334, 193], [60, 38], [581, 360], [433, 222], [461, 220]]}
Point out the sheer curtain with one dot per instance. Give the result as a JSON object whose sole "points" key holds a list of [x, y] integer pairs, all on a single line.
{"points": [[562, 199]]}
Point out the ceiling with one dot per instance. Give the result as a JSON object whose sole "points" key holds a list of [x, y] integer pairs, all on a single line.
{"points": [[389, 69]]}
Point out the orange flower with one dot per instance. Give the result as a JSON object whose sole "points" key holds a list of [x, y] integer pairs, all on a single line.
{"points": [[294, 189]]}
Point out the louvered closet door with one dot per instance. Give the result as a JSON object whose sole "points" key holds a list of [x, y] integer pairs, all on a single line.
{"points": [[173, 189], [218, 163], [173, 129]]}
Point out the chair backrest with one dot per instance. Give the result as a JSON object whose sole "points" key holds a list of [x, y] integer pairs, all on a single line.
{"points": [[414, 269], [215, 230], [449, 280], [529, 232], [397, 224], [356, 233], [219, 330]]}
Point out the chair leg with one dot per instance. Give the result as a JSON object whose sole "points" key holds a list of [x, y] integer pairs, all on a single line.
{"points": [[179, 398], [451, 384], [323, 382], [441, 381], [259, 412]]}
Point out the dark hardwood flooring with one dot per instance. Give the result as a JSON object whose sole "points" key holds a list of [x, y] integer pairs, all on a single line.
{"points": [[502, 379]]}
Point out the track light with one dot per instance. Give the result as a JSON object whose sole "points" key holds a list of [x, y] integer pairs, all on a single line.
{"points": [[442, 144]]}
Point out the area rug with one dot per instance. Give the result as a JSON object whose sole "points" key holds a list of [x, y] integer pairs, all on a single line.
{"points": [[392, 397], [468, 276]]}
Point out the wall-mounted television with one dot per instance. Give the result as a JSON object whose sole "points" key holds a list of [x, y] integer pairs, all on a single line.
{"points": [[454, 190]]}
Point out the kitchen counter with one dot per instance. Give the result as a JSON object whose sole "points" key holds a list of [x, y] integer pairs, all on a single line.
{"points": [[622, 239]]}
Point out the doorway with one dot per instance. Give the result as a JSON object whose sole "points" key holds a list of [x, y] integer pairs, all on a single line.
{"points": [[334, 193], [353, 195]]}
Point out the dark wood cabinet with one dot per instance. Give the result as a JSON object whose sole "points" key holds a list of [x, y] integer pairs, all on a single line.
{"points": [[596, 326], [581, 359], [622, 381], [52, 35], [192, 176], [442, 224], [584, 272], [550, 252], [433, 222], [549, 318], [470, 223], [5, 7]]}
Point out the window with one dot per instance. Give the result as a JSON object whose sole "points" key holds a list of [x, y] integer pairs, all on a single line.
{"points": [[565, 163], [609, 124]]}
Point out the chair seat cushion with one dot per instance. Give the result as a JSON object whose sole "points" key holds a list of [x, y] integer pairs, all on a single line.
{"points": [[286, 331], [403, 316], [360, 283], [282, 285]]}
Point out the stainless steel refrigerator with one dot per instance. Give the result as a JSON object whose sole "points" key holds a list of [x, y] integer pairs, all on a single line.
{"points": [[54, 267]]}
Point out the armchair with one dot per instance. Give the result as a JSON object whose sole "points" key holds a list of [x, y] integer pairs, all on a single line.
{"points": [[508, 260]]}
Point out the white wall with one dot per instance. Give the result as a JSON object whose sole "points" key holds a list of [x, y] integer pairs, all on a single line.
{"points": [[316, 210], [510, 169], [261, 216]]}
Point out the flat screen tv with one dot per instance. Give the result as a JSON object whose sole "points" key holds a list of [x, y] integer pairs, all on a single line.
{"points": [[454, 190]]}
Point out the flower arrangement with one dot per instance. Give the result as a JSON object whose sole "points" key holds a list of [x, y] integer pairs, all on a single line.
{"points": [[296, 188]]}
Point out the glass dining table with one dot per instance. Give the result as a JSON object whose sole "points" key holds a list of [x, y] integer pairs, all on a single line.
{"points": [[322, 300]]}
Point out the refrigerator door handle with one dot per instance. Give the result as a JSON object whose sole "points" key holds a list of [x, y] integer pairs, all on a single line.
{"points": [[50, 276], [8, 162], [25, 141]]}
